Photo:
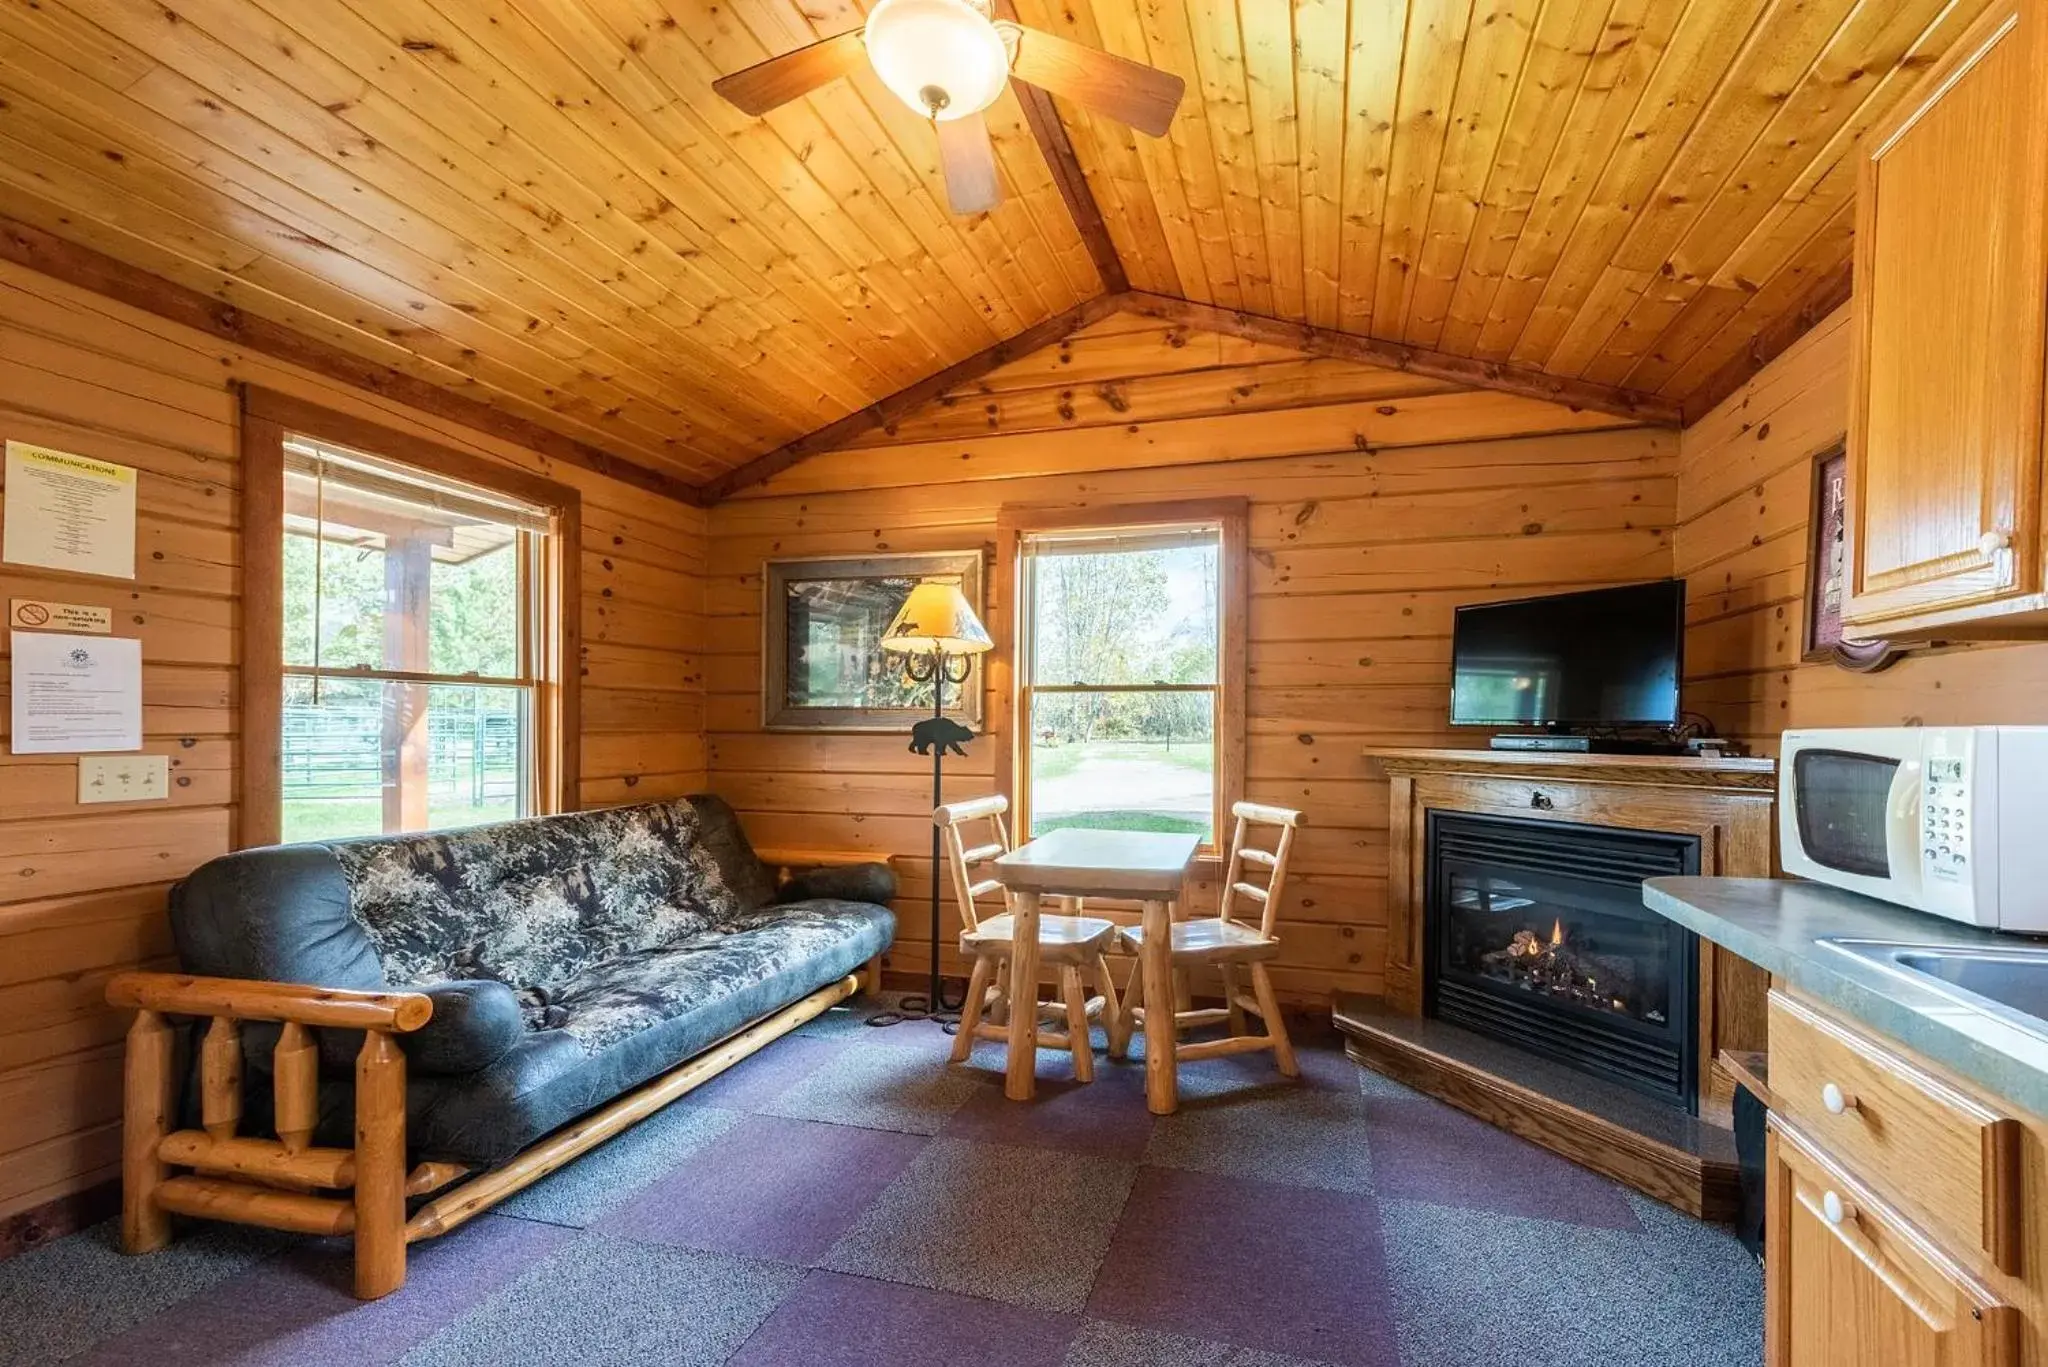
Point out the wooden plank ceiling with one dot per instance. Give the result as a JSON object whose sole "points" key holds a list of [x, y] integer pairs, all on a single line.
{"points": [[540, 206]]}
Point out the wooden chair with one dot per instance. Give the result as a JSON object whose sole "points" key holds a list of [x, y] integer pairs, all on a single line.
{"points": [[1071, 944], [1227, 943]]}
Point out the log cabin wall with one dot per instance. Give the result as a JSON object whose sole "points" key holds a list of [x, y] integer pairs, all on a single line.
{"points": [[82, 889], [1379, 501], [1744, 499]]}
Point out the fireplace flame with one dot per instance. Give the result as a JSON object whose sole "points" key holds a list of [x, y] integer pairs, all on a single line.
{"points": [[1556, 933]]}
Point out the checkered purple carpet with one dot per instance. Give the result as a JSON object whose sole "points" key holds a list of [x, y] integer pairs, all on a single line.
{"points": [[844, 1198]]}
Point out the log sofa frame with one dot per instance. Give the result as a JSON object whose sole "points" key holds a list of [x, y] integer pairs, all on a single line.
{"points": [[289, 1183]]}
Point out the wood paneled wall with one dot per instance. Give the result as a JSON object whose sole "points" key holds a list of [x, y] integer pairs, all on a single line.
{"points": [[1744, 498], [82, 889], [1379, 502]]}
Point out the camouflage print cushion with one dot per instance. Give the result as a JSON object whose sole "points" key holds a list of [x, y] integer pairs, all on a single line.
{"points": [[533, 903], [617, 998]]}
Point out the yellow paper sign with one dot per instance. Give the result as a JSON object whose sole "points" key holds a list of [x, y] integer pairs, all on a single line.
{"points": [[68, 512], [37, 615]]}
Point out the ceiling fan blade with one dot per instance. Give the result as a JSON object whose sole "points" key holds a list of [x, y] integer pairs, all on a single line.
{"points": [[1129, 92], [775, 82], [969, 160]]}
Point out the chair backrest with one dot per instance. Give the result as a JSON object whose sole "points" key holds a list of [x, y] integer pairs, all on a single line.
{"points": [[962, 859], [1247, 860]]}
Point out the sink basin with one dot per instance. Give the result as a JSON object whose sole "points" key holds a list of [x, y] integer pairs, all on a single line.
{"points": [[2008, 981]]}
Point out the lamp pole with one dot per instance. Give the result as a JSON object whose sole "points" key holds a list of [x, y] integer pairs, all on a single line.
{"points": [[939, 669]]}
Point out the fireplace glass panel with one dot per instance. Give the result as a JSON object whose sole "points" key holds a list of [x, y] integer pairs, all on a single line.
{"points": [[1559, 939], [1538, 936]]}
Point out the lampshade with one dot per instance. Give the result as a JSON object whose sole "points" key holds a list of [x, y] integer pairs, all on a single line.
{"points": [[937, 616], [942, 53]]}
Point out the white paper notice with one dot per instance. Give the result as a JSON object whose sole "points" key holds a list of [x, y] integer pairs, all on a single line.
{"points": [[68, 512], [76, 694]]}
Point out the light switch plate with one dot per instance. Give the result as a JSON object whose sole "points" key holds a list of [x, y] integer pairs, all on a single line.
{"points": [[124, 778]]}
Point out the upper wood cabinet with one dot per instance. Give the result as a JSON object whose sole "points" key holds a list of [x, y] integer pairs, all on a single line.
{"points": [[1945, 427]]}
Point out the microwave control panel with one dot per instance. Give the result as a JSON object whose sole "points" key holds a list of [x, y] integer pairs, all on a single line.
{"points": [[1945, 819]]}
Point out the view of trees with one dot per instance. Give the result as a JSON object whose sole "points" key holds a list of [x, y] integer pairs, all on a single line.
{"points": [[1125, 617], [475, 608]]}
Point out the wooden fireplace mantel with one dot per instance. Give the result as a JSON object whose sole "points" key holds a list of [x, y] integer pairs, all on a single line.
{"points": [[1726, 802], [1660, 771]]}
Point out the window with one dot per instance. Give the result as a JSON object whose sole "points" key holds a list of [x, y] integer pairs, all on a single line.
{"points": [[417, 634], [1128, 668]]}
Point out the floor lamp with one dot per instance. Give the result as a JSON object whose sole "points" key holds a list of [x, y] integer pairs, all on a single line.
{"points": [[938, 635]]}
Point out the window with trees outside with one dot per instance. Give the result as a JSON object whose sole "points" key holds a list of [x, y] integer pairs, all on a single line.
{"points": [[1122, 665], [413, 606]]}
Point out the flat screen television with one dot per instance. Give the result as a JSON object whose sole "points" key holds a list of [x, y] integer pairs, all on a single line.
{"points": [[1602, 658]]}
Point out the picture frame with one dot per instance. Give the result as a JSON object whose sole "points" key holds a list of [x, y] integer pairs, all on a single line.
{"points": [[1823, 639], [822, 619]]}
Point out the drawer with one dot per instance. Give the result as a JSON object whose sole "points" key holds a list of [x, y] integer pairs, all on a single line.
{"points": [[1947, 1157]]}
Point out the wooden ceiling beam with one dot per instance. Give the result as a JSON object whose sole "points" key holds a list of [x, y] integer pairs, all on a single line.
{"points": [[886, 411], [1584, 394], [82, 266], [1826, 294], [1044, 121]]}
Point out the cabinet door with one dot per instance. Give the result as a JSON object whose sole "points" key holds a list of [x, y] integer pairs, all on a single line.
{"points": [[1945, 422], [1848, 1283]]}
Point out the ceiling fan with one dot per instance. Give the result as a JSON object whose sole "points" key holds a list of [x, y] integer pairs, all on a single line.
{"points": [[948, 60]]}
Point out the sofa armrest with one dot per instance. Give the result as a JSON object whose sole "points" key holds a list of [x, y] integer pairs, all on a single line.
{"points": [[795, 861], [861, 882], [476, 1021], [251, 999]]}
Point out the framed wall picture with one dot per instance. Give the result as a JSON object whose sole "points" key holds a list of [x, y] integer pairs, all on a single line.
{"points": [[824, 668], [1827, 573]]}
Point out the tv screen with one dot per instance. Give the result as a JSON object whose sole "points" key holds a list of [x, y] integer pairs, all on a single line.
{"points": [[1607, 657]]}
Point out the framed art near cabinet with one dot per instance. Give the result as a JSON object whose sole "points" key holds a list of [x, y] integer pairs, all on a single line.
{"points": [[823, 664], [1827, 573]]}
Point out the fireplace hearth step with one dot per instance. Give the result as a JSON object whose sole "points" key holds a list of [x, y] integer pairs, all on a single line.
{"points": [[1657, 1149]]}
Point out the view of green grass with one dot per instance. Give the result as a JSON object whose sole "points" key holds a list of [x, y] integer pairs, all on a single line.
{"points": [[1164, 822], [339, 818], [1058, 761]]}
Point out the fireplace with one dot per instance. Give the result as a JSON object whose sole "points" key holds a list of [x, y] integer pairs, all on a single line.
{"points": [[1535, 933]]}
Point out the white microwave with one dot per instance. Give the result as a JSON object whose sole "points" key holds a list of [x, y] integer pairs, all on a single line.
{"points": [[1951, 820]]}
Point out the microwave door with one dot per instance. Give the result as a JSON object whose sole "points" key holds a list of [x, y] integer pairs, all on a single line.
{"points": [[1858, 818]]}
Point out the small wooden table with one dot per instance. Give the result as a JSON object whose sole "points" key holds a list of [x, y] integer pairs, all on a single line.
{"points": [[1125, 864]]}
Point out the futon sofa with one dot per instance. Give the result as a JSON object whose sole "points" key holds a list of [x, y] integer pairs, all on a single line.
{"points": [[567, 961]]}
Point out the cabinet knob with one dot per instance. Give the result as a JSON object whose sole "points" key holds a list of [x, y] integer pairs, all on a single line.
{"points": [[1835, 1209], [1542, 802], [1836, 1100], [1991, 543]]}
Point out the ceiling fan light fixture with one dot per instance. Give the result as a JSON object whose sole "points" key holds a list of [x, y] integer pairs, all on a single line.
{"points": [[944, 58]]}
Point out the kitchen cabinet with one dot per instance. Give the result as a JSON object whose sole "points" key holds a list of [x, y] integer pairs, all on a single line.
{"points": [[1945, 470], [1850, 1283]]}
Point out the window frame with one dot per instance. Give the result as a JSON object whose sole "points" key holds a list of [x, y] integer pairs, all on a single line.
{"points": [[552, 578], [1015, 522]]}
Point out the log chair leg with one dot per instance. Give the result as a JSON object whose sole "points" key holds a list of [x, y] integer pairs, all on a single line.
{"points": [[1112, 1009], [1229, 971], [1127, 1014], [146, 1118], [971, 1007], [1079, 1042], [1276, 1024], [380, 1167], [871, 977]]}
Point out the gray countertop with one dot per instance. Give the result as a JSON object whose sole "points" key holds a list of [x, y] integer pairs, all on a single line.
{"points": [[1781, 925]]}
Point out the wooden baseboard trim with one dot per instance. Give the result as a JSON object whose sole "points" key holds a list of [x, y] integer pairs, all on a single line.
{"points": [[55, 1218], [1704, 1187]]}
